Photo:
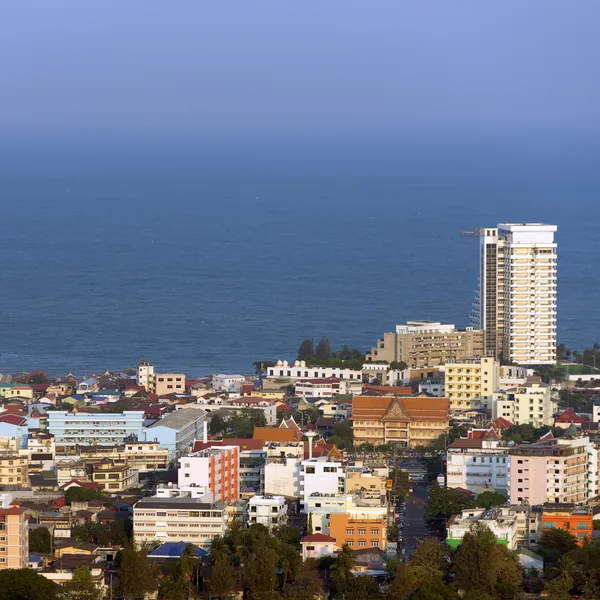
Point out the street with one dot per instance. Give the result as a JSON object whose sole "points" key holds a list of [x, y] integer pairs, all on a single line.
{"points": [[414, 525]]}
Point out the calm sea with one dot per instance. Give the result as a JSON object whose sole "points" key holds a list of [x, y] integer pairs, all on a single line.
{"points": [[206, 263]]}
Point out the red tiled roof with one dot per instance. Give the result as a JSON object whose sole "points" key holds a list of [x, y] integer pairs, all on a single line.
{"points": [[12, 419], [462, 490], [570, 416], [284, 408], [318, 537], [277, 434], [83, 484], [501, 423], [14, 409]]}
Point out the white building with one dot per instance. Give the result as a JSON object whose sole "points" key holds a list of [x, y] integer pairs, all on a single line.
{"points": [[501, 523], [145, 375], [321, 476], [529, 403], [178, 519], [317, 546], [227, 383], [282, 468], [516, 299], [511, 376], [267, 407], [478, 465], [433, 387], [270, 511], [299, 370]]}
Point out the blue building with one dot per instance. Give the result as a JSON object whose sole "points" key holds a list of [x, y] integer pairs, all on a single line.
{"points": [[178, 430]]}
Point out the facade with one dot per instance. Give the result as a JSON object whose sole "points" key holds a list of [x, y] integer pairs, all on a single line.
{"points": [[228, 383], [178, 520], [282, 468], [40, 452], [270, 511], [409, 421], [177, 431], [530, 403], [14, 538], [501, 523], [317, 546], [299, 370], [516, 298], [563, 470], [478, 465], [145, 375], [169, 383], [358, 530], [212, 471], [577, 520], [141, 456], [14, 471], [114, 477], [367, 484], [471, 382], [81, 428], [433, 387], [321, 476], [267, 407], [422, 344]]}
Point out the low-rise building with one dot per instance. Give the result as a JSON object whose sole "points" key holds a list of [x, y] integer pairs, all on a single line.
{"points": [[178, 519], [577, 520], [318, 546], [282, 468], [14, 471], [270, 511], [502, 524], [14, 538], [358, 530], [40, 451], [177, 431], [267, 407], [228, 383], [169, 383], [529, 403], [299, 370], [365, 483], [433, 387], [408, 421], [141, 456], [114, 477]]}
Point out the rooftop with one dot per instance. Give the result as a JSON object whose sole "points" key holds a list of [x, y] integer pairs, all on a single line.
{"points": [[177, 503], [180, 418]]}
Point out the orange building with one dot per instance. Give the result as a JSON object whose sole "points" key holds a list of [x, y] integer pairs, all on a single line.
{"points": [[358, 530], [577, 520], [14, 538], [409, 421]]}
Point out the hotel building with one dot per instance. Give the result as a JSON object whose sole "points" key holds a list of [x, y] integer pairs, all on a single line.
{"points": [[14, 538], [516, 299], [471, 380]]}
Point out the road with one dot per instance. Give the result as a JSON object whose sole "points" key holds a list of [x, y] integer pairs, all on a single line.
{"points": [[414, 526]]}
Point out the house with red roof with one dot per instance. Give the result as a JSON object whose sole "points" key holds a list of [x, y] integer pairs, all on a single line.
{"points": [[570, 417], [318, 545], [500, 424], [89, 485]]}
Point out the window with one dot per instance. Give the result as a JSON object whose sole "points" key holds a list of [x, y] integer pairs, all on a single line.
{"points": [[362, 532], [161, 514], [581, 536], [350, 542], [374, 531], [349, 531], [549, 525], [375, 543], [362, 543], [582, 525]]}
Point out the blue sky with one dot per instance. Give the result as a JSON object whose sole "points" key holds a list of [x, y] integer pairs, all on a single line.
{"points": [[286, 68]]}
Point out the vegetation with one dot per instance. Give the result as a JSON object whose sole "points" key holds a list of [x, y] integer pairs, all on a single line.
{"points": [[261, 366], [135, 573], [25, 584], [524, 433], [443, 503], [40, 540], [343, 435], [489, 499], [117, 533], [81, 494], [217, 425], [323, 351], [81, 587], [244, 422]]}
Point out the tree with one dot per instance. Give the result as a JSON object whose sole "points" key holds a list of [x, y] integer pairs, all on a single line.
{"points": [[489, 499], [260, 572], [555, 543], [310, 524], [222, 575], [81, 494], [445, 502], [342, 569], [559, 588], [361, 587], [261, 366], [323, 351], [343, 431], [217, 425], [306, 351], [429, 560], [244, 422], [134, 573], [25, 584], [40, 540], [289, 563], [484, 565], [81, 587], [288, 534]]}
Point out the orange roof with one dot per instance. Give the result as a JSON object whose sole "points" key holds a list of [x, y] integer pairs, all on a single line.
{"points": [[276, 434], [413, 407]]}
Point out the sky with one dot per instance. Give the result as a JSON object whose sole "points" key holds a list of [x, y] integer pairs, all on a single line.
{"points": [[292, 69]]}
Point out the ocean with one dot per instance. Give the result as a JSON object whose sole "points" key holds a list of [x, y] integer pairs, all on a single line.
{"points": [[205, 263]]}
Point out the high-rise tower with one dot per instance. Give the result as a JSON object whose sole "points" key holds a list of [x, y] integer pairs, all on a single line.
{"points": [[516, 298]]}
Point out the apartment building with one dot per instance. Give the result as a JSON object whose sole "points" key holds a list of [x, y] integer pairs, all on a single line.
{"points": [[516, 298], [169, 383], [422, 344], [141, 456], [186, 520], [213, 471], [282, 468], [471, 382], [577, 520], [71, 429], [270, 511], [178, 430], [555, 470], [228, 383], [409, 421], [321, 476], [358, 530], [113, 476], [14, 538], [501, 523], [145, 375], [367, 484], [299, 370], [40, 451], [14, 471], [267, 407], [529, 403], [478, 465]]}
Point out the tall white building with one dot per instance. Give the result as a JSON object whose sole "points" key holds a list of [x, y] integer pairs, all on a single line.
{"points": [[321, 476], [516, 298]]}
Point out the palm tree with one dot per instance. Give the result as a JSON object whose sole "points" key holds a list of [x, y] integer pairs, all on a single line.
{"points": [[289, 563], [342, 568]]}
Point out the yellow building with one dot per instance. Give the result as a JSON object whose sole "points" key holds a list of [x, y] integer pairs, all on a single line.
{"points": [[169, 383], [472, 380], [409, 421], [114, 477], [14, 538], [16, 390], [142, 456], [422, 344], [60, 389], [14, 471]]}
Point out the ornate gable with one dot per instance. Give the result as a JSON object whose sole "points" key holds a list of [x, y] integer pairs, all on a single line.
{"points": [[395, 412]]}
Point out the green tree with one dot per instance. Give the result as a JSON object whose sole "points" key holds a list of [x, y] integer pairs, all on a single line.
{"points": [[81, 587], [341, 571], [310, 524], [489, 499], [306, 351], [289, 563], [260, 573], [261, 366], [323, 351], [81, 494], [445, 502], [560, 587], [429, 560], [40, 540], [484, 565], [556, 543], [25, 584], [222, 574], [217, 425], [244, 422], [361, 587], [288, 535], [343, 430], [134, 573]]}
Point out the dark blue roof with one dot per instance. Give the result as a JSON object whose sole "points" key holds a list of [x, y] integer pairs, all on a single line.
{"points": [[175, 550]]}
